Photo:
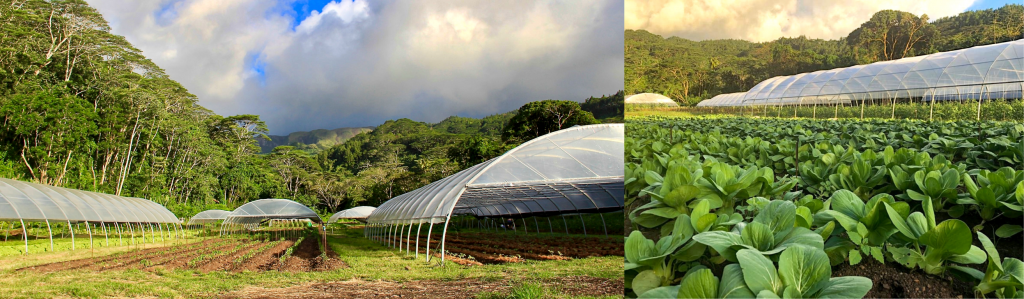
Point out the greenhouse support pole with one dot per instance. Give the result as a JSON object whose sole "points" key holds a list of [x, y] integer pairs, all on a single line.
{"points": [[537, 224], [418, 228], [551, 229], [132, 231], [24, 233], [584, 223], [605, 225], [566, 224], [106, 237], [151, 233], [429, 231], [72, 230], [979, 108], [89, 229], [117, 226], [408, 238], [526, 230], [51, 234]]}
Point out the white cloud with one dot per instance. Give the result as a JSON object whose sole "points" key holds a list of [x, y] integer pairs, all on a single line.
{"points": [[764, 20], [358, 63]]}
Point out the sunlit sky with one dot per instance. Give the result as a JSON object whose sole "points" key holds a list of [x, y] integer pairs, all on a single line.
{"points": [[765, 20], [314, 64]]}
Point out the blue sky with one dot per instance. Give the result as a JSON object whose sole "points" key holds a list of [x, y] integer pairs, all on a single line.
{"points": [[986, 4]]}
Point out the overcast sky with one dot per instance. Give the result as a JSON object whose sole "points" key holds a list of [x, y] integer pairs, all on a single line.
{"points": [[310, 64], [765, 20]]}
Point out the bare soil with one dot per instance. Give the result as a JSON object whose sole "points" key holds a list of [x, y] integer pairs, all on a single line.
{"points": [[305, 258], [487, 248], [465, 288], [892, 280]]}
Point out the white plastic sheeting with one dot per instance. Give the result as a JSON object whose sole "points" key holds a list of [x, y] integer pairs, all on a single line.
{"points": [[271, 208], [209, 216], [986, 72], [354, 213], [579, 169], [724, 100], [36, 202], [650, 99], [575, 169]]}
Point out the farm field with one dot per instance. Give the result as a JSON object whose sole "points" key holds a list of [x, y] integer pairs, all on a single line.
{"points": [[724, 206], [259, 266]]}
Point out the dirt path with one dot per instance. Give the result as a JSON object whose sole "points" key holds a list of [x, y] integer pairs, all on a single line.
{"points": [[465, 288]]}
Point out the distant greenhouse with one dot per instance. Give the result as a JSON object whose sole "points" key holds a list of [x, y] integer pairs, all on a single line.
{"points": [[359, 213], [986, 72], [650, 99]]}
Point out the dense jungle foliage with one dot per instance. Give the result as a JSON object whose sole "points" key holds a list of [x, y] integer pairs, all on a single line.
{"points": [[690, 71], [82, 108]]}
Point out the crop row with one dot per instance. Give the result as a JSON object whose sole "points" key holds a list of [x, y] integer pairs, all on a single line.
{"points": [[986, 145]]}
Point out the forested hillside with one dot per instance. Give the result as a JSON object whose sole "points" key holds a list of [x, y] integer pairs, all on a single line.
{"points": [[312, 141], [690, 71], [82, 108]]}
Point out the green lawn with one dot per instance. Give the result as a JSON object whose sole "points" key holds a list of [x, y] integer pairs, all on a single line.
{"points": [[368, 260]]}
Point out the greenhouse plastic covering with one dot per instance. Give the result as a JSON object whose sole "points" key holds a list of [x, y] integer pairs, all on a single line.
{"points": [[650, 99], [354, 213], [986, 72], [37, 202], [724, 100], [272, 208], [209, 216], [579, 169]]}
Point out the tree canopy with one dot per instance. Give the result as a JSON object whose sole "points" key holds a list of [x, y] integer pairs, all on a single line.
{"points": [[690, 71]]}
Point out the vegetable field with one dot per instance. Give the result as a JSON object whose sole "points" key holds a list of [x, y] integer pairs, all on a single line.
{"points": [[766, 207]]}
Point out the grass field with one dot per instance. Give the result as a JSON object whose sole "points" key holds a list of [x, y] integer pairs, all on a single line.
{"points": [[370, 266]]}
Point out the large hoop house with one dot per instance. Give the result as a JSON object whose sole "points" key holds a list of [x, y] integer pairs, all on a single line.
{"points": [[724, 100], [30, 202], [650, 99], [209, 216], [251, 214], [574, 170], [359, 213], [986, 72]]}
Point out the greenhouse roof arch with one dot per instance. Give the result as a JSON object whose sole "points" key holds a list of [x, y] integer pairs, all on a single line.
{"points": [[208, 216], [271, 208], [37, 202], [360, 212], [650, 99], [994, 71], [579, 169]]}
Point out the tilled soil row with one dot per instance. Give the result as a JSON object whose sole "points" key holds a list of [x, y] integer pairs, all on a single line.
{"points": [[166, 257], [82, 263], [509, 250], [571, 250], [307, 257], [526, 255], [601, 246], [224, 262], [137, 261]]}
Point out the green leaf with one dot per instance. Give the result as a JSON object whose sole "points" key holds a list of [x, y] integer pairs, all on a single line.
{"points": [[666, 212], [661, 292], [846, 287], [681, 195], [767, 294], [917, 196], [758, 235], [900, 224], [804, 268], [646, 281], [758, 272], [973, 256], [638, 247], [968, 271], [699, 284], [951, 236], [855, 257], [990, 249], [1015, 268], [650, 221], [846, 222], [876, 252], [732, 285], [804, 217], [1008, 230], [720, 241], [652, 178], [917, 223], [846, 202], [779, 216]]}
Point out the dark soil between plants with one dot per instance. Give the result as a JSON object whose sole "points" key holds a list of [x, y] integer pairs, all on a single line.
{"points": [[892, 280], [464, 288]]}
